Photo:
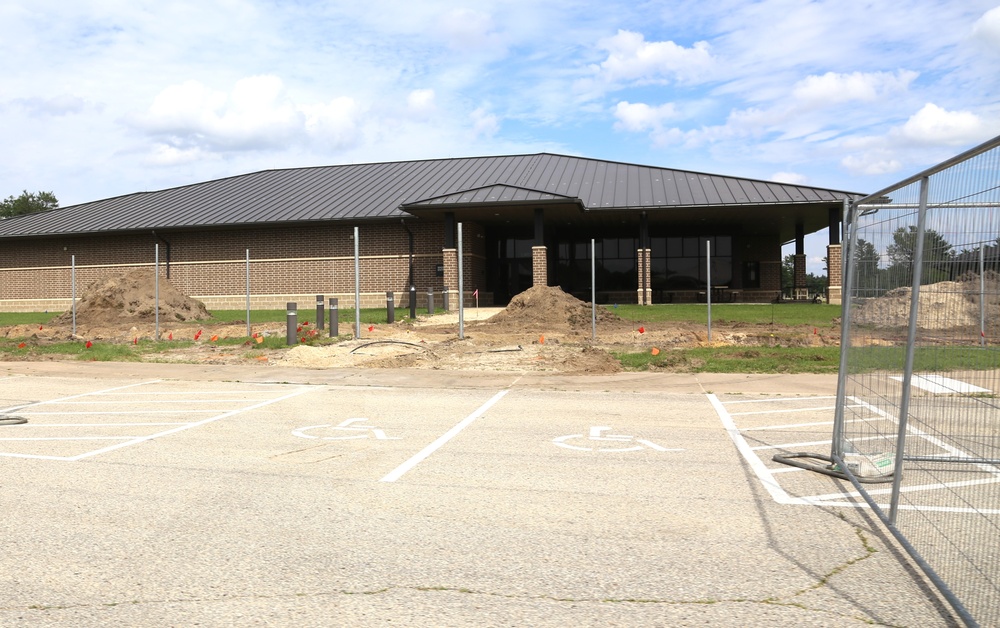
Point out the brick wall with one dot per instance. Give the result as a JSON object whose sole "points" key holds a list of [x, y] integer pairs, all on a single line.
{"points": [[286, 264], [539, 266], [644, 296], [835, 266]]}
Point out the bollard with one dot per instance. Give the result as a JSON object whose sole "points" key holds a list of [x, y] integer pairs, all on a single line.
{"points": [[444, 295], [291, 323], [334, 318], [319, 311], [430, 301], [390, 308], [413, 302]]}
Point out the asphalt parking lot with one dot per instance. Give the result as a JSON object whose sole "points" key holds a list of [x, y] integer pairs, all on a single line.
{"points": [[161, 495]]}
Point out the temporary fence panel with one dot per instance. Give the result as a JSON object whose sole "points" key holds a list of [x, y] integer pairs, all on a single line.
{"points": [[918, 416]]}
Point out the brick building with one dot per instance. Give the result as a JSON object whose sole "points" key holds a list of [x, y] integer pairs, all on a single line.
{"points": [[288, 235]]}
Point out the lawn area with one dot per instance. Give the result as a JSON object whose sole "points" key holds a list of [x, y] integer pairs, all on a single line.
{"points": [[812, 314]]}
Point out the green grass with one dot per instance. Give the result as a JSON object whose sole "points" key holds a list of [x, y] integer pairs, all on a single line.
{"points": [[819, 315], [26, 318], [736, 360], [925, 359]]}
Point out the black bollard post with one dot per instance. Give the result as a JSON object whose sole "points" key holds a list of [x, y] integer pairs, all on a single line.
{"points": [[430, 301], [334, 318], [319, 311], [291, 323], [444, 296], [390, 308], [413, 302]]}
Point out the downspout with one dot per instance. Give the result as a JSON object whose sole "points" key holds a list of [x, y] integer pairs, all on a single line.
{"points": [[409, 235], [413, 289], [167, 242]]}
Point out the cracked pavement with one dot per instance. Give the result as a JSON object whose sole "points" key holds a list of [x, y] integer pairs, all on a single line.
{"points": [[236, 519]]}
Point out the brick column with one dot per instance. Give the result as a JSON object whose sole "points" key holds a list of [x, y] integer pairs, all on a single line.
{"points": [[450, 262], [644, 296], [539, 266], [799, 289], [835, 273]]}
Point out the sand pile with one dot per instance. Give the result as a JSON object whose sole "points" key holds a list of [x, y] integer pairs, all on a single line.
{"points": [[548, 308], [132, 298], [943, 305]]}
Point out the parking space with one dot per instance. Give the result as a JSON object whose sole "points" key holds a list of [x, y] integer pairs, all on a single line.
{"points": [[594, 504], [86, 420], [763, 426]]}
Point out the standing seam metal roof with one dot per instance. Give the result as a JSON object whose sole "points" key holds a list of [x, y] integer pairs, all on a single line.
{"points": [[383, 190]]}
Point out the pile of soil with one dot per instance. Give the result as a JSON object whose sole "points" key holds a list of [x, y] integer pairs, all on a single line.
{"points": [[549, 309], [131, 298], [943, 305]]}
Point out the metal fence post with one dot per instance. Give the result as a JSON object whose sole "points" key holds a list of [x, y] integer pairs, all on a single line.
{"points": [[291, 323]]}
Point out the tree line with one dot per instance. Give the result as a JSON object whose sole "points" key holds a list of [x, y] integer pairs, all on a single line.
{"points": [[876, 273], [27, 203]]}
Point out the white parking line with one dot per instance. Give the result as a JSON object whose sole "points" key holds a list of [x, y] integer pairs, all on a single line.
{"points": [[773, 399], [399, 471], [135, 398]]}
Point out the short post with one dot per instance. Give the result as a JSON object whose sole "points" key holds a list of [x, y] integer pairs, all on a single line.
{"points": [[390, 307], [319, 311], [334, 317], [413, 302], [291, 323], [430, 301], [444, 294]]}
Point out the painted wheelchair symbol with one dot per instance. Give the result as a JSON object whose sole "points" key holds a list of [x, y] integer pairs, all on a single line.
{"points": [[354, 431], [597, 440]]}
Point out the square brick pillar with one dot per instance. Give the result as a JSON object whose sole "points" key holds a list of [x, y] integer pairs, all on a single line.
{"points": [[449, 258], [835, 273], [799, 289], [539, 266], [644, 295]]}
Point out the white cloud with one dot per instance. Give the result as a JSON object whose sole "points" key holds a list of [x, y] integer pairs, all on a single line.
{"points": [[871, 163], [936, 126], [421, 101], [632, 59], [254, 114], [987, 29], [834, 88], [790, 177], [335, 124], [467, 30], [484, 123], [638, 117]]}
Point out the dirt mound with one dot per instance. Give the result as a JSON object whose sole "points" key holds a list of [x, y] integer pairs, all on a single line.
{"points": [[548, 308], [132, 298], [943, 305]]}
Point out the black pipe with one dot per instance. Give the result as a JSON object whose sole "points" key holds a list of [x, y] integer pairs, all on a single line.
{"points": [[413, 289], [167, 242]]}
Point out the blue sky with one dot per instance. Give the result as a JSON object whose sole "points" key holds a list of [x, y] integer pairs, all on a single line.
{"points": [[106, 97]]}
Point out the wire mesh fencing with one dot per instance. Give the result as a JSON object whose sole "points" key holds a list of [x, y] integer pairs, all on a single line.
{"points": [[918, 415]]}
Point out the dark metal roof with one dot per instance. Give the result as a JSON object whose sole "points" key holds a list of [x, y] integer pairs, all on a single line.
{"points": [[391, 190]]}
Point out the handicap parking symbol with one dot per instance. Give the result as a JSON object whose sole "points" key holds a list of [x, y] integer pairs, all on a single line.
{"points": [[348, 430], [597, 440]]}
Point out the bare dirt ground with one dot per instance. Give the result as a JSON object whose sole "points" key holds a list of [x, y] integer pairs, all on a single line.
{"points": [[542, 329]]}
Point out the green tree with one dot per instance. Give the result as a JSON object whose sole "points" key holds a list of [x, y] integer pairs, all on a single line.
{"points": [[866, 271], [27, 203], [937, 254], [787, 273]]}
